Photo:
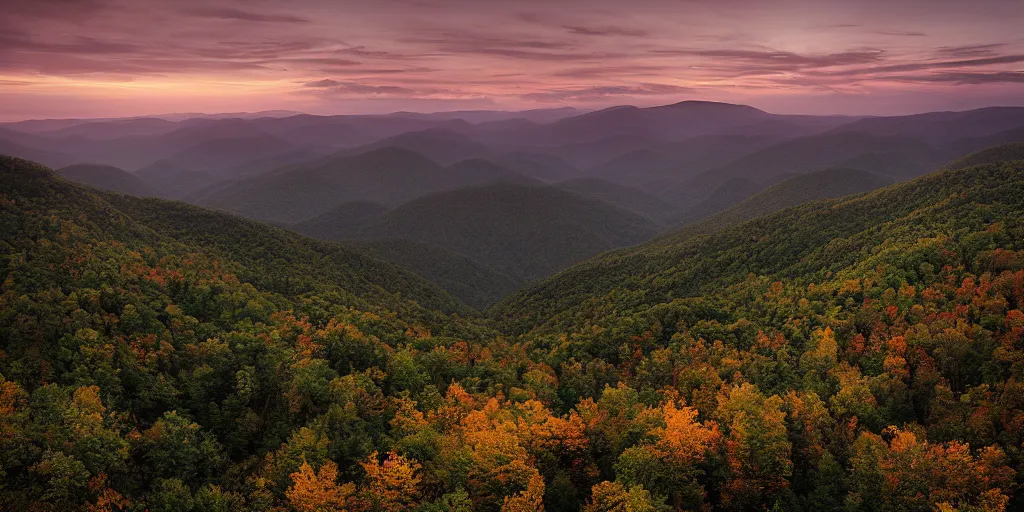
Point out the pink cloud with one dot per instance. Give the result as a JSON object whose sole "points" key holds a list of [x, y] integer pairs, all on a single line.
{"points": [[509, 54]]}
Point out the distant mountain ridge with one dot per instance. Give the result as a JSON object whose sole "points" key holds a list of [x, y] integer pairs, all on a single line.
{"points": [[442, 145], [789, 193], [110, 178], [389, 175], [696, 158]]}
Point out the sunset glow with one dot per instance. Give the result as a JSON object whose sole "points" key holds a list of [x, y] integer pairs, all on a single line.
{"points": [[134, 57]]}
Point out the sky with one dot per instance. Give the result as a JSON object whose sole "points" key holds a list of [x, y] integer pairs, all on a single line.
{"points": [[111, 58]]}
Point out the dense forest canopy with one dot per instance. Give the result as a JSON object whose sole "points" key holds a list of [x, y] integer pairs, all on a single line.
{"points": [[861, 353]]}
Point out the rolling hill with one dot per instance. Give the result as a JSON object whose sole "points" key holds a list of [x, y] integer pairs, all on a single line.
{"points": [[720, 199], [301, 156], [106, 129], [548, 168], [473, 172], [895, 156], [110, 178], [942, 127], [666, 123], [809, 243], [221, 154], [342, 221], [207, 163], [11, 144], [525, 232], [657, 168], [541, 115], [482, 243], [202, 143], [1001, 153], [468, 280], [636, 167], [622, 196], [172, 182], [587, 154], [808, 154], [444, 146], [676, 121], [267, 257], [789, 193], [389, 176]]}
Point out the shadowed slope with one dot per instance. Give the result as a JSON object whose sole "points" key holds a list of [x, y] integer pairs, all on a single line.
{"points": [[525, 232], [110, 178], [808, 242], [269, 258]]}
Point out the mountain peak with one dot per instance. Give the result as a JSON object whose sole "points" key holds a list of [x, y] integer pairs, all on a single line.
{"points": [[709, 105]]}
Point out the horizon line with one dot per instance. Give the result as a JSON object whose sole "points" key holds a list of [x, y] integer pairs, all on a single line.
{"points": [[580, 110]]}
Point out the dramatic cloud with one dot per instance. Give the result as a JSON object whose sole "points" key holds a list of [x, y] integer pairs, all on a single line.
{"points": [[900, 33], [968, 78], [780, 60], [624, 70], [971, 63], [240, 15], [605, 31], [589, 94], [320, 84], [62, 57], [469, 43], [975, 50]]}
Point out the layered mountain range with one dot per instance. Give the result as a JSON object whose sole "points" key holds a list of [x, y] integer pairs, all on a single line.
{"points": [[521, 194]]}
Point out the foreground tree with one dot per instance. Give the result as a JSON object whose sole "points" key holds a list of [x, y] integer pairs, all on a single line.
{"points": [[318, 491], [615, 497], [907, 473]]}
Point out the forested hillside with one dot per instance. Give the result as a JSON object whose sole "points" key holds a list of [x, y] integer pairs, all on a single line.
{"points": [[810, 242], [861, 353], [471, 281], [995, 154], [342, 221]]}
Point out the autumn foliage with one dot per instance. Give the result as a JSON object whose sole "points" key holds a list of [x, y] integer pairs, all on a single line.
{"points": [[141, 371]]}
